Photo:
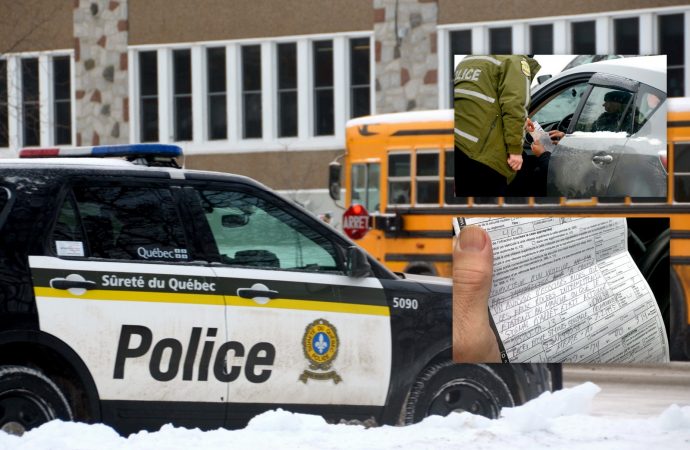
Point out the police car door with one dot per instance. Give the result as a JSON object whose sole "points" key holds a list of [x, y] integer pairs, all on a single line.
{"points": [[119, 286], [305, 333], [583, 162]]}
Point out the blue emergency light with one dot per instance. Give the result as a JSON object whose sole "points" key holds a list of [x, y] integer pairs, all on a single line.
{"points": [[160, 155], [130, 151]]}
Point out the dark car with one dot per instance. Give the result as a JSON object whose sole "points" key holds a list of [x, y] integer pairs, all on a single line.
{"points": [[139, 295]]}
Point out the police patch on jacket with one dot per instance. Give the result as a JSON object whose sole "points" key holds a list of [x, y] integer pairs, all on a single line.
{"points": [[525, 68], [320, 344]]}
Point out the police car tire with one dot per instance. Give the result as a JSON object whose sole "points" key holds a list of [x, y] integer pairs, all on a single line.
{"points": [[29, 399], [445, 387]]}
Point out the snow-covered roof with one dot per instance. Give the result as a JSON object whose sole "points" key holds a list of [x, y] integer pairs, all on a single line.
{"points": [[679, 104], [437, 115], [650, 70]]}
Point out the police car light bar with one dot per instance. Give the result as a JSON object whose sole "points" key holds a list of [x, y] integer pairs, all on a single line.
{"points": [[131, 151]]}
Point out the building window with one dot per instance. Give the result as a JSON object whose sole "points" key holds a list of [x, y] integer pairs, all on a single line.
{"points": [[287, 90], [217, 94], [427, 180], [4, 116], [182, 94], [541, 39], [626, 36], [672, 44], [584, 37], [460, 44], [31, 123], [324, 118], [251, 91], [500, 41], [359, 77], [62, 100], [148, 89]]}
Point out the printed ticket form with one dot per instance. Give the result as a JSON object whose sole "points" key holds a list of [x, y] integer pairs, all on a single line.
{"points": [[567, 290]]}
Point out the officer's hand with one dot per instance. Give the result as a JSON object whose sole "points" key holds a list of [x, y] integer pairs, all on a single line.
{"points": [[473, 338], [529, 125], [515, 162], [556, 136]]}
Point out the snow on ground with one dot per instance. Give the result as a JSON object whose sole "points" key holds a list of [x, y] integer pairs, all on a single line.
{"points": [[557, 420]]}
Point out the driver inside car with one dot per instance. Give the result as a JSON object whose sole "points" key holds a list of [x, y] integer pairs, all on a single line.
{"points": [[614, 105]]}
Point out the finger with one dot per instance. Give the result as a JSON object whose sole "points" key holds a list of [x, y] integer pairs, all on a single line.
{"points": [[473, 339]]}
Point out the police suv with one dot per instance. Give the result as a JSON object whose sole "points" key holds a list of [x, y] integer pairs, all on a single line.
{"points": [[136, 293]]}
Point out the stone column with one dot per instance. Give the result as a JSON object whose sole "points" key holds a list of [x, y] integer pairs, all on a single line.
{"points": [[406, 59], [101, 86]]}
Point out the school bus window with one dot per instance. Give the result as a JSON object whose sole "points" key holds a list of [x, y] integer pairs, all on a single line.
{"points": [[449, 197], [399, 178], [681, 160], [365, 185], [427, 180]]}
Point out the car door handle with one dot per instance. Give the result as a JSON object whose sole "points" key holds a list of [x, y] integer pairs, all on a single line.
{"points": [[257, 291], [602, 159], [62, 283]]}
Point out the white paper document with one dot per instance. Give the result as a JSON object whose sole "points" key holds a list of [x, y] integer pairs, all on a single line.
{"points": [[567, 290]]}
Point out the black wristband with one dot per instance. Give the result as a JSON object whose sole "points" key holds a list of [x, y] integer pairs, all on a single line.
{"points": [[501, 348]]}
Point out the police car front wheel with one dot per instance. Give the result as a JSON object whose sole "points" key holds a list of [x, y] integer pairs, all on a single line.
{"points": [[29, 399], [447, 387]]}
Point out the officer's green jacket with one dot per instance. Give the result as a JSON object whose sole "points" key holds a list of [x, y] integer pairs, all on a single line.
{"points": [[492, 94]]}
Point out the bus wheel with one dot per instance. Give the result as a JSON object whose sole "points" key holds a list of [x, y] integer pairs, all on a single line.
{"points": [[446, 387], [29, 399]]}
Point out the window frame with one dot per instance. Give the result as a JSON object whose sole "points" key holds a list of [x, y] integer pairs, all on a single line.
{"points": [[286, 90], [67, 100], [393, 179], [677, 174], [34, 102], [270, 141], [178, 95], [427, 178], [351, 84], [215, 94]]}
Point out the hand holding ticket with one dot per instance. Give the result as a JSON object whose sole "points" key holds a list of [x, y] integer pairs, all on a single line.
{"points": [[567, 290]]}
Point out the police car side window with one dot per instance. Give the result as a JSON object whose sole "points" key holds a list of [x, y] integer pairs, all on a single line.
{"points": [[606, 109], [132, 223], [649, 100], [252, 232], [560, 105], [67, 238]]}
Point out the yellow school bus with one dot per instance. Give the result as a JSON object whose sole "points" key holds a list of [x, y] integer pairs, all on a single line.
{"points": [[400, 168]]}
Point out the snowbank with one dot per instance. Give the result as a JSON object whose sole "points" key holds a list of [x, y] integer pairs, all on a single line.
{"points": [[556, 420]]}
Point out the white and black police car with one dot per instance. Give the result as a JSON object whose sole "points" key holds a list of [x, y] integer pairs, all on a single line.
{"points": [[136, 293]]}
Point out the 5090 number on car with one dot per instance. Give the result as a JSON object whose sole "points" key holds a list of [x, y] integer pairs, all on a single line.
{"points": [[405, 303]]}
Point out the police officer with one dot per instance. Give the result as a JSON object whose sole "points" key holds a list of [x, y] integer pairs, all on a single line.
{"points": [[491, 97]]}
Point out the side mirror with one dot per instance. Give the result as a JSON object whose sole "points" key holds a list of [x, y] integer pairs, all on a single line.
{"points": [[542, 78], [357, 263], [234, 220], [334, 169]]}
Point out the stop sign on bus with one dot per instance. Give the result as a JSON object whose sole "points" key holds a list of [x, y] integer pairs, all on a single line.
{"points": [[356, 221]]}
